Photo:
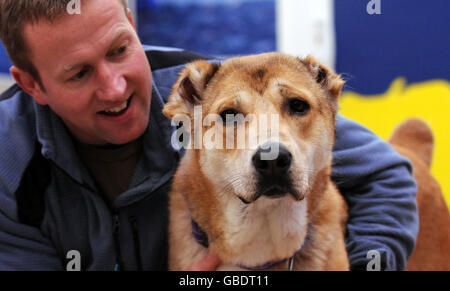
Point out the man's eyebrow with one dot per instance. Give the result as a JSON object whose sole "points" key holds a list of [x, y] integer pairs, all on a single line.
{"points": [[69, 68], [117, 37]]}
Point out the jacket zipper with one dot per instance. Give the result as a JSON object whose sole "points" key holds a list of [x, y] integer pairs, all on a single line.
{"points": [[116, 225], [137, 246]]}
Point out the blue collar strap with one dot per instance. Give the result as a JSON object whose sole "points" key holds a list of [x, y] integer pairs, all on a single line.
{"points": [[200, 236]]}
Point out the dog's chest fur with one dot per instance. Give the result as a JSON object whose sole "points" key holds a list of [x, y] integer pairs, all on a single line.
{"points": [[266, 230]]}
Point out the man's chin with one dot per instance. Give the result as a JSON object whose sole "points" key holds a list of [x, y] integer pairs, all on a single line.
{"points": [[128, 138], [121, 136]]}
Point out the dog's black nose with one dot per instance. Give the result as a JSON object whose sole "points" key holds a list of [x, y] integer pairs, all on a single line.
{"points": [[272, 161]]}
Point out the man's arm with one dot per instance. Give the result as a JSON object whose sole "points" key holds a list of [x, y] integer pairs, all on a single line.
{"points": [[23, 247], [380, 190], [22, 244]]}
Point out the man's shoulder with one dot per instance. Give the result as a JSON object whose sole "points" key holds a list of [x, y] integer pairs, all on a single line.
{"points": [[17, 112], [24, 172], [10, 92], [17, 135]]}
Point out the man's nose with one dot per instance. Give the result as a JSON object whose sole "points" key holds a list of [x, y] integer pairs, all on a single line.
{"points": [[112, 83], [274, 168]]}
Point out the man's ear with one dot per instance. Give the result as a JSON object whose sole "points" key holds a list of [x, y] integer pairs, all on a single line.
{"points": [[325, 76], [188, 90], [29, 84]]}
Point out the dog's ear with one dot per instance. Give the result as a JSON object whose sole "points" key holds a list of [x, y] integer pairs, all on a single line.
{"points": [[325, 76], [188, 90]]}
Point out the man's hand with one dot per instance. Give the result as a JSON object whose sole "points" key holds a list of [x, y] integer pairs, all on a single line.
{"points": [[209, 263]]}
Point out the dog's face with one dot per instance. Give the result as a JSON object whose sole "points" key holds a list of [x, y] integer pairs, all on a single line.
{"points": [[264, 159]]}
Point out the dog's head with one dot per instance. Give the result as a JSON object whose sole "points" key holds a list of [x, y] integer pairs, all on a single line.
{"points": [[265, 134]]}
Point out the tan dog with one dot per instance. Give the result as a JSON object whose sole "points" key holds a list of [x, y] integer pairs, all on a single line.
{"points": [[259, 213], [251, 212]]}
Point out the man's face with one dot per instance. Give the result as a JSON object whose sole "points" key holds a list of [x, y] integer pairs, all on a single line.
{"points": [[94, 71]]}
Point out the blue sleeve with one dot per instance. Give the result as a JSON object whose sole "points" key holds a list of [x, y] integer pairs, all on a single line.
{"points": [[379, 188], [22, 247]]}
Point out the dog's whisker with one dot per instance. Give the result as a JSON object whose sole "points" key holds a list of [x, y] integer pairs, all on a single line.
{"points": [[236, 181], [230, 183]]}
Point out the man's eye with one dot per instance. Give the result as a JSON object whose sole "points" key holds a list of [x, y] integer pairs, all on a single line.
{"points": [[80, 75], [120, 50]]}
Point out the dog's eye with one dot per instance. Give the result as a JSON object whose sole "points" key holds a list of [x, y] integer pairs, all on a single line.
{"points": [[299, 106], [229, 116]]}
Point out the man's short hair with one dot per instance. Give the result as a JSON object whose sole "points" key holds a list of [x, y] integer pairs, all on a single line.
{"points": [[15, 14]]}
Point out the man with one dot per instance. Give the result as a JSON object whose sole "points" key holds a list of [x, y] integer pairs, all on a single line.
{"points": [[86, 161]]}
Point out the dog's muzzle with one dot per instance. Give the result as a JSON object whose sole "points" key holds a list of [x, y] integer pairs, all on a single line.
{"points": [[274, 167], [272, 171]]}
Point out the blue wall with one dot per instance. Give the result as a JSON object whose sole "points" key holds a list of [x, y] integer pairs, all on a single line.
{"points": [[409, 39], [239, 27], [4, 60]]}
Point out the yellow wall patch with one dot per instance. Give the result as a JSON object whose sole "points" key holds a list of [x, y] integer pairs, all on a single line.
{"points": [[429, 101]]}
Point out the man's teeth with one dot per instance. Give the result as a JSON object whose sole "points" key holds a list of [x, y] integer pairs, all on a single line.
{"points": [[118, 108]]}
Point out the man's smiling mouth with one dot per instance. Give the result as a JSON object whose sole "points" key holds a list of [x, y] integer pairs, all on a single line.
{"points": [[119, 110]]}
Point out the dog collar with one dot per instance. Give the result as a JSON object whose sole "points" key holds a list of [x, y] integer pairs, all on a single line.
{"points": [[202, 238]]}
